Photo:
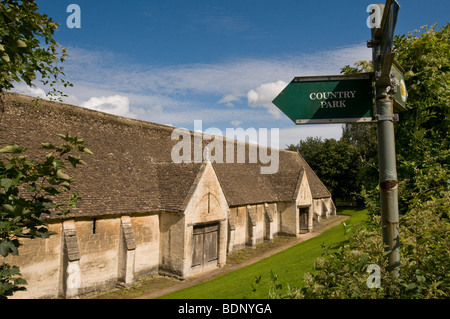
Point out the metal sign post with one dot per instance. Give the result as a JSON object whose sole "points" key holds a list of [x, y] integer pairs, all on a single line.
{"points": [[349, 99], [382, 58]]}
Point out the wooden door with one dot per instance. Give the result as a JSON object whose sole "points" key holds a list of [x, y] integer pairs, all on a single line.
{"points": [[205, 243], [303, 218]]}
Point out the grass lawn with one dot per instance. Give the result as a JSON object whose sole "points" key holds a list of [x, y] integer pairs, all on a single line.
{"points": [[289, 266]]}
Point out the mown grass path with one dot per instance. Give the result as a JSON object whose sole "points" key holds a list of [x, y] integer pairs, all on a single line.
{"points": [[289, 266]]}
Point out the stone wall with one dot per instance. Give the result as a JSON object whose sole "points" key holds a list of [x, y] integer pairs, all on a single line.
{"points": [[289, 218], [253, 224], [323, 208], [98, 241], [40, 264], [172, 250], [88, 255], [147, 238], [240, 218]]}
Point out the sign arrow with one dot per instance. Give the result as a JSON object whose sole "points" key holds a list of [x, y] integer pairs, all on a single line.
{"points": [[328, 99]]}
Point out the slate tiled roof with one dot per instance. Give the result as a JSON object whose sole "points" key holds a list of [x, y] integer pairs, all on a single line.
{"points": [[131, 170]]}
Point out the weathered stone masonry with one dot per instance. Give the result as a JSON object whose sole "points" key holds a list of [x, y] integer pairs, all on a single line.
{"points": [[140, 213]]}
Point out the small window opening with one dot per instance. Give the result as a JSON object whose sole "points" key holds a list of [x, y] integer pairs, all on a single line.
{"points": [[94, 225], [209, 203]]}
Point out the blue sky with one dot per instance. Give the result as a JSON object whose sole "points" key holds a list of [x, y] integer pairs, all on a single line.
{"points": [[222, 62]]}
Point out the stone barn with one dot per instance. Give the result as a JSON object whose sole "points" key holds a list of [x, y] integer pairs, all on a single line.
{"points": [[140, 213]]}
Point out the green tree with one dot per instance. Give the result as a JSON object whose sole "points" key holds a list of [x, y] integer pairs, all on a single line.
{"points": [[424, 189], [364, 138], [28, 49], [422, 134], [29, 188], [423, 131]]}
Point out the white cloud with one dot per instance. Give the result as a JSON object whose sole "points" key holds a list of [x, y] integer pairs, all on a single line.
{"points": [[229, 80], [236, 123], [228, 99], [115, 104], [263, 96], [33, 91], [180, 94]]}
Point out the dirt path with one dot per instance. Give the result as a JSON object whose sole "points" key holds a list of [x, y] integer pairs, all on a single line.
{"points": [[160, 285]]}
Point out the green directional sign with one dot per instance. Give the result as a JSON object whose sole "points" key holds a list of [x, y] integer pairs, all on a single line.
{"points": [[328, 99]]}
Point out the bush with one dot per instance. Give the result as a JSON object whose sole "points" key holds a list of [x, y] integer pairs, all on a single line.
{"points": [[425, 260]]}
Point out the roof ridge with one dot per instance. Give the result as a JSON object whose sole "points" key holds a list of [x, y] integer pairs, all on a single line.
{"points": [[130, 121], [83, 110]]}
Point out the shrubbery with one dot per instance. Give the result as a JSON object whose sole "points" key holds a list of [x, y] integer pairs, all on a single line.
{"points": [[425, 259], [423, 159]]}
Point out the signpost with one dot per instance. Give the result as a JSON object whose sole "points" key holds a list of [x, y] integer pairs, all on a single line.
{"points": [[328, 99], [349, 99], [385, 84], [388, 22]]}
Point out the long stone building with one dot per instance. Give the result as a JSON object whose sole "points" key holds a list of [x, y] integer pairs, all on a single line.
{"points": [[140, 213]]}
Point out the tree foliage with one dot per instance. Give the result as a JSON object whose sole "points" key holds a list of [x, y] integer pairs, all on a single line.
{"points": [[28, 49], [342, 273], [422, 135], [29, 191], [424, 188]]}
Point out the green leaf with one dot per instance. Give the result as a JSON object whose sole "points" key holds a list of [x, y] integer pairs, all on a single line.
{"points": [[420, 278], [14, 271], [21, 44], [63, 176], [57, 163], [65, 137], [85, 150], [8, 208], [12, 149], [410, 286], [5, 57], [6, 183], [75, 161], [48, 146], [20, 281], [7, 247]]}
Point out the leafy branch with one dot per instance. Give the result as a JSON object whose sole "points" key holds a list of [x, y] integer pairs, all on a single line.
{"points": [[29, 191], [28, 49]]}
